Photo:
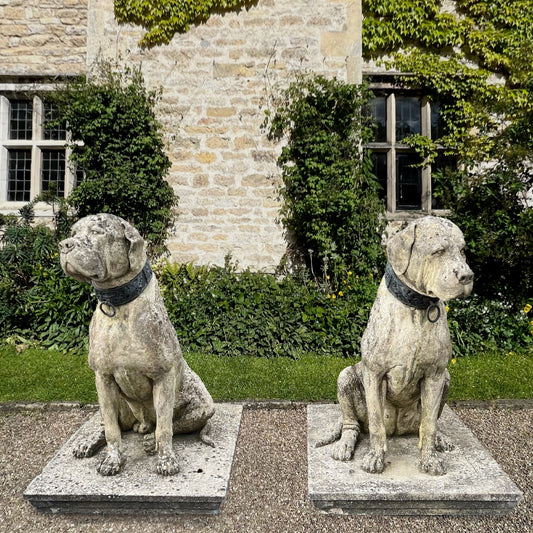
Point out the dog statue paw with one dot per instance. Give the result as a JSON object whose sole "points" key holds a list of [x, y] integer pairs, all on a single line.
{"points": [[111, 463], [89, 445], [432, 464], [167, 464], [149, 444], [344, 448], [374, 462]]}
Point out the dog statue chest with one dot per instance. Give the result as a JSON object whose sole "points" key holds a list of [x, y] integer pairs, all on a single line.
{"points": [[117, 343]]}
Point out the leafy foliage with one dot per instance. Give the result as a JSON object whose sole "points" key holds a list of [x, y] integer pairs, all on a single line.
{"points": [[164, 18], [498, 229], [477, 64], [37, 300], [222, 311], [121, 152], [331, 200]]}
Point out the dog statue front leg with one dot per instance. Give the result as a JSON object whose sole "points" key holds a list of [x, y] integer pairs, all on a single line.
{"points": [[350, 395], [164, 391], [374, 460], [431, 389], [108, 398]]}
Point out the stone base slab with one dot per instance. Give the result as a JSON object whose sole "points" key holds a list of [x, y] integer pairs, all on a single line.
{"points": [[71, 485], [473, 485]]}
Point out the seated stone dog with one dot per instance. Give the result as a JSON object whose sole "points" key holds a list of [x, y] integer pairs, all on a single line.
{"points": [[401, 384], [142, 380]]}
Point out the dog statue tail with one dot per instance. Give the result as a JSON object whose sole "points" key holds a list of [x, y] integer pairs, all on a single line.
{"points": [[204, 435], [333, 436]]}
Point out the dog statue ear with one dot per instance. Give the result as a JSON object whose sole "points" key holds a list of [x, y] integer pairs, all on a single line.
{"points": [[400, 247], [136, 254]]}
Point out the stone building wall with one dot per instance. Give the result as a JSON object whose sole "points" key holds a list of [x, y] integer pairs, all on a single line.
{"points": [[217, 81], [43, 37]]}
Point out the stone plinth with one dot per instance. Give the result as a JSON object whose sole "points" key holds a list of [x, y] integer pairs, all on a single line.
{"points": [[71, 485], [474, 483]]}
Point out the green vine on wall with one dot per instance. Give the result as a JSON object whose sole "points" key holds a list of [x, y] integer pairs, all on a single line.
{"points": [[475, 59], [164, 18]]}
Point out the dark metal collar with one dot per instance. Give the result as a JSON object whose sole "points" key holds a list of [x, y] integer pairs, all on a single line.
{"points": [[112, 298], [408, 296]]}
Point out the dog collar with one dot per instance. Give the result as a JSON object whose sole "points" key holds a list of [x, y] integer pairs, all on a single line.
{"points": [[123, 294], [409, 296]]}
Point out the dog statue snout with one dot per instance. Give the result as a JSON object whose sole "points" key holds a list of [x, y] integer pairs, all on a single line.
{"points": [[466, 277], [66, 245]]}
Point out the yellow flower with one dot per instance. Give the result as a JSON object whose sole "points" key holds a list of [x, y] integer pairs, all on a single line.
{"points": [[333, 297], [527, 308], [447, 309], [327, 277], [454, 361], [350, 273], [329, 295], [341, 293]]}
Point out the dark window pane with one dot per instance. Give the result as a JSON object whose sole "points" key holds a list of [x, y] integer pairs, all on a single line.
{"points": [[378, 109], [79, 175], [379, 169], [19, 175], [441, 188], [408, 182], [408, 119], [56, 132], [53, 171], [20, 119], [437, 124]]}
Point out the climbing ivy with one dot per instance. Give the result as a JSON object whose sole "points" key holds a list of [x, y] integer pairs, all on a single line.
{"points": [[475, 59], [331, 205], [116, 141], [164, 18]]}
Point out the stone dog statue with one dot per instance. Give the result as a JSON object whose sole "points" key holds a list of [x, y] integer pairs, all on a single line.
{"points": [[142, 380], [401, 384]]}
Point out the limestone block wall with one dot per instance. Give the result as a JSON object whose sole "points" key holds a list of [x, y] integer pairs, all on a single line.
{"points": [[217, 80], [43, 37]]}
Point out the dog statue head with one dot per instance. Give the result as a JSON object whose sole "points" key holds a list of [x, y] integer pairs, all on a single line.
{"points": [[428, 256], [103, 249]]}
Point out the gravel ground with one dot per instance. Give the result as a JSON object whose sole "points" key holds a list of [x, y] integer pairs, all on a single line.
{"points": [[268, 485]]}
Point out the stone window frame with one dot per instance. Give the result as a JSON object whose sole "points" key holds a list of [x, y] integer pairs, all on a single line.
{"points": [[382, 85], [37, 145]]}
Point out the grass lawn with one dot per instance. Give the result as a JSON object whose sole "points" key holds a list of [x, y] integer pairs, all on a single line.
{"points": [[42, 375]]}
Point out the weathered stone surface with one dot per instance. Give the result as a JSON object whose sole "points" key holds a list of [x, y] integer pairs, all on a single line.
{"points": [[223, 75], [143, 381], [402, 382], [71, 485], [45, 38], [473, 485]]}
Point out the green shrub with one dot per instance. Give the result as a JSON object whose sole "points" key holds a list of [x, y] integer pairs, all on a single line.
{"points": [[122, 154], [331, 203], [222, 311], [499, 233], [37, 300], [478, 324]]}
